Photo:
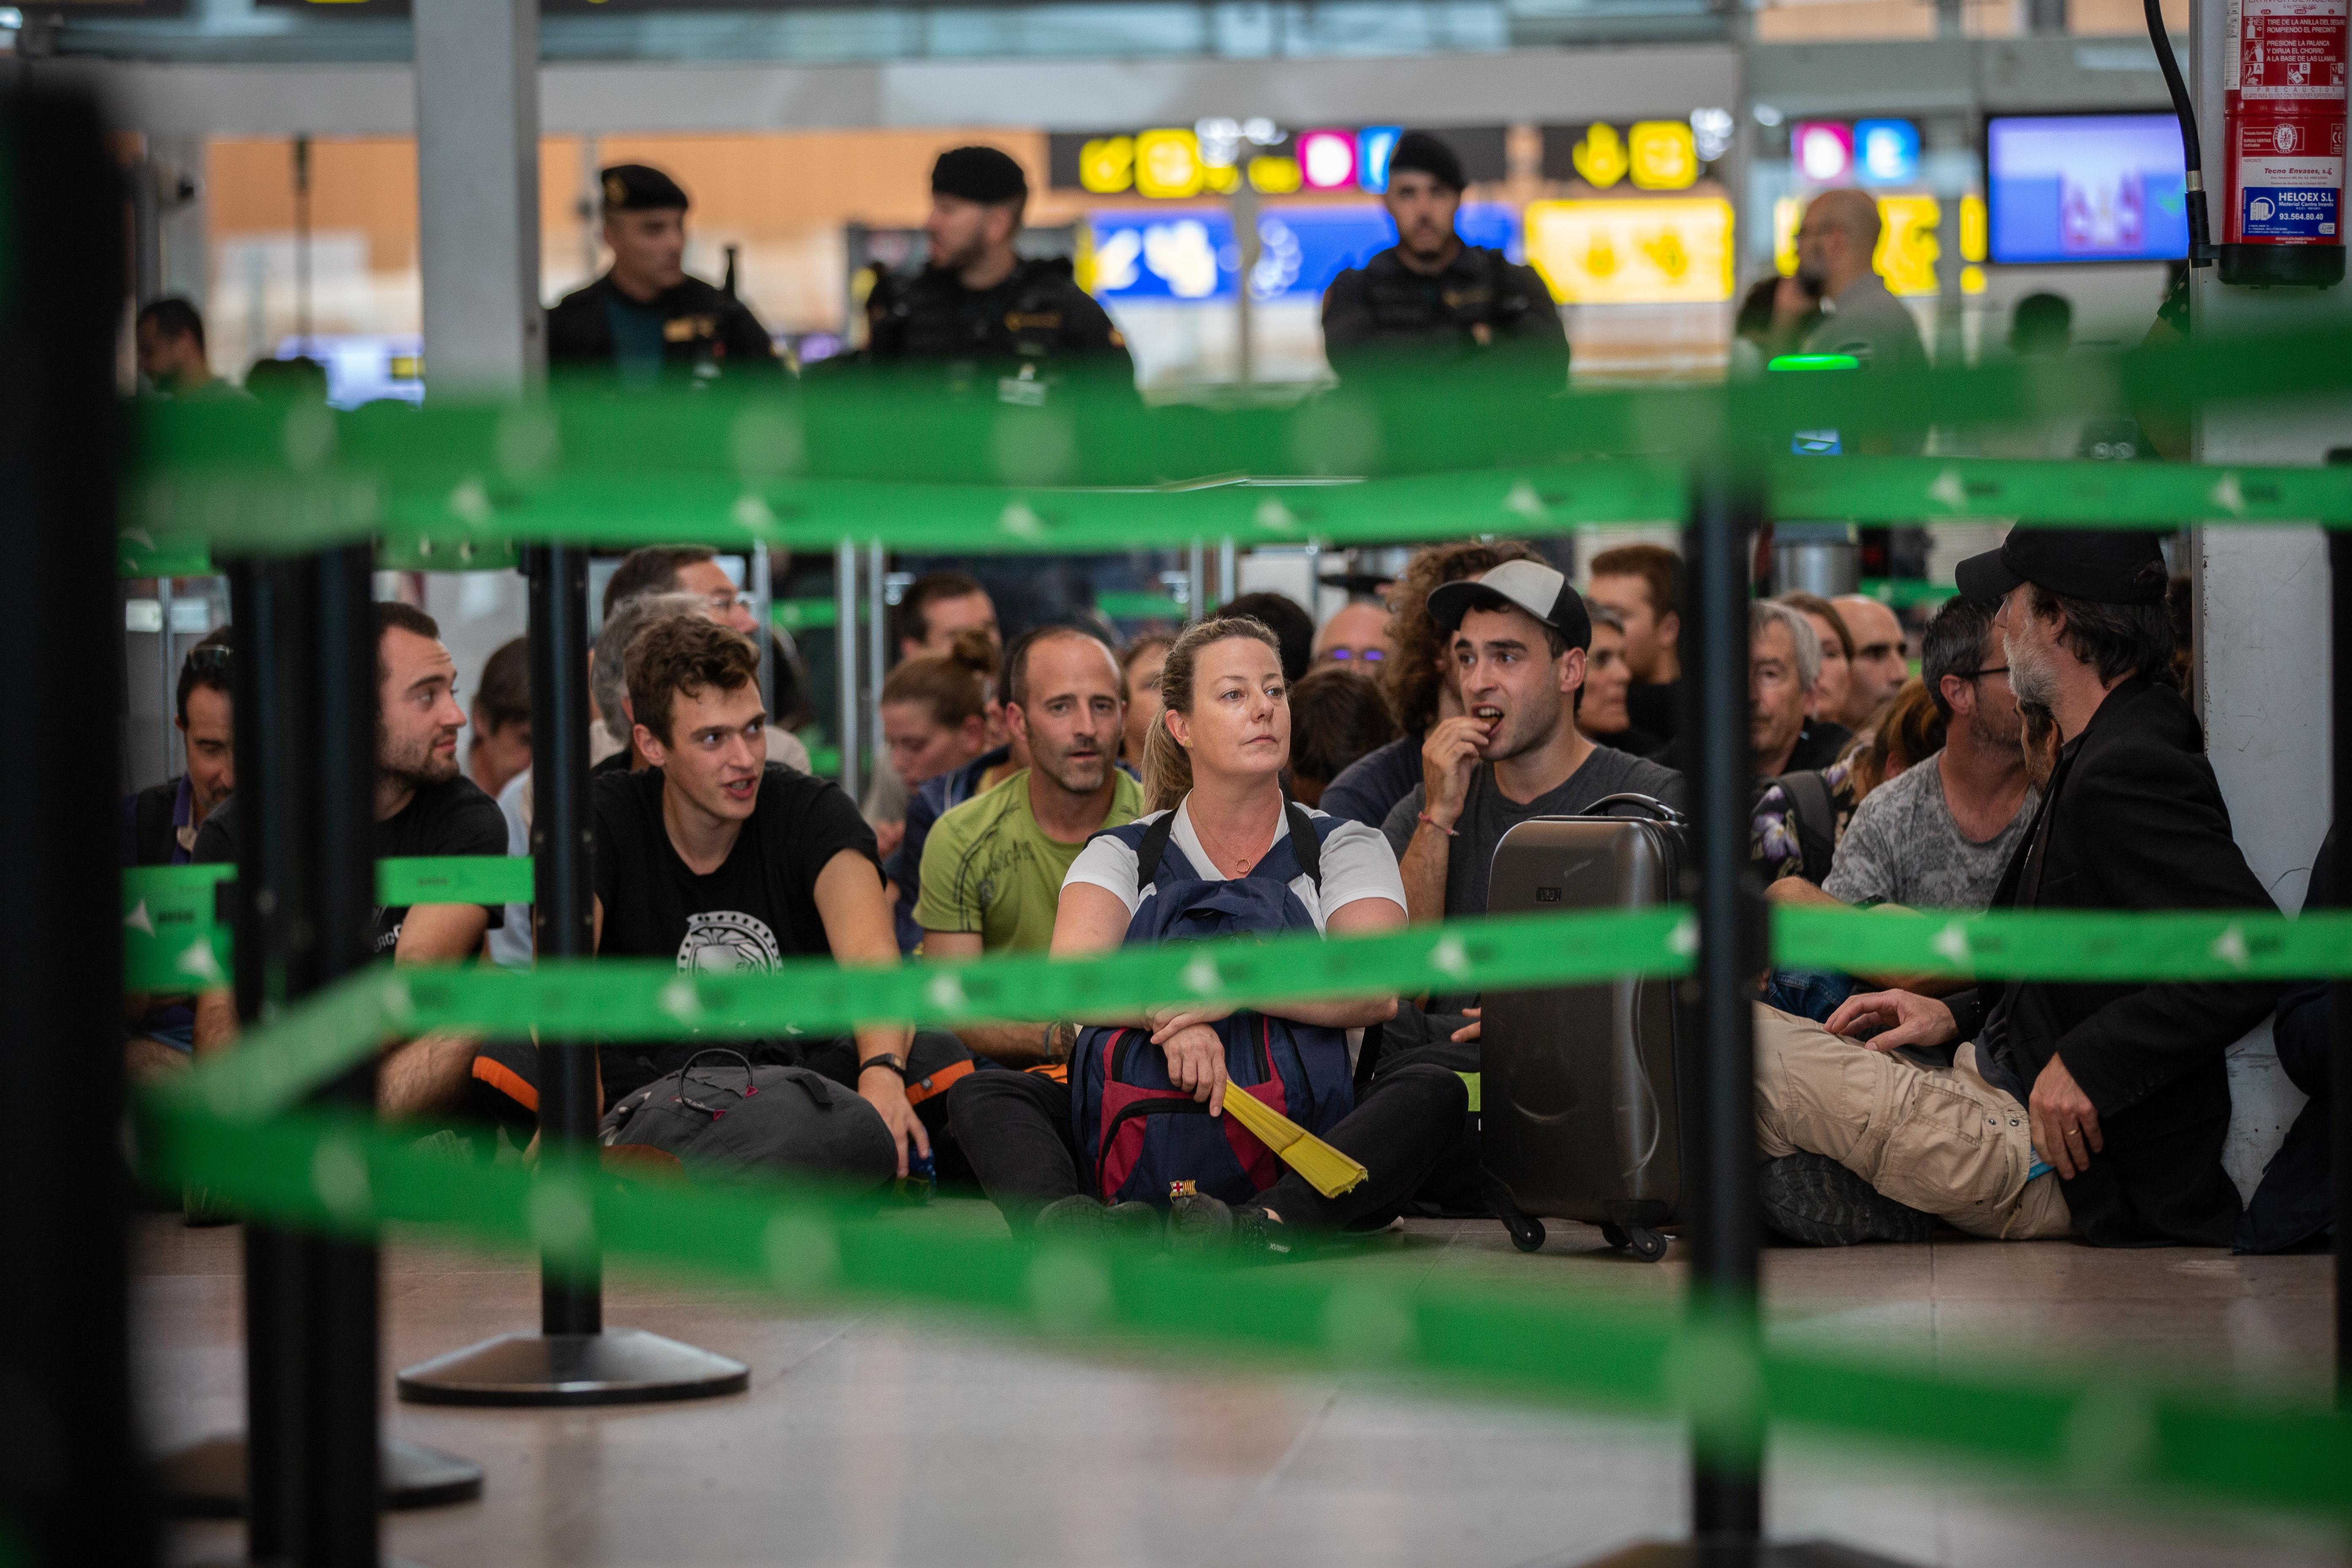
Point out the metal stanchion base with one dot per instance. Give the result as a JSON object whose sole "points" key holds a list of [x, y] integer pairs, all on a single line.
{"points": [[1731, 1553], [620, 1366], [207, 1479]]}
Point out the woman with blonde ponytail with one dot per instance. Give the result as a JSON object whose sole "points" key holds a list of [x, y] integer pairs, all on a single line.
{"points": [[1220, 851]]}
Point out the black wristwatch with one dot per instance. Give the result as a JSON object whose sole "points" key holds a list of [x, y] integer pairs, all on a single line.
{"points": [[885, 1059]]}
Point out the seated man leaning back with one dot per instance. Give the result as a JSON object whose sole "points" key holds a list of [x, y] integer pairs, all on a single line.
{"points": [[2097, 1108], [993, 867], [715, 859]]}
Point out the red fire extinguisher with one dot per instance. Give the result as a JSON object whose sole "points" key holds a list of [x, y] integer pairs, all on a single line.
{"points": [[2282, 142]]}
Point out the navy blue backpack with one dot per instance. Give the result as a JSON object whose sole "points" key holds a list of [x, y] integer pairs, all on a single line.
{"points": [[1142, 1137]]}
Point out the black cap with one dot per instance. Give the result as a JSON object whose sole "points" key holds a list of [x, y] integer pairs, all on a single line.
{"points": [[1420, 149], [979, 175], [2106, 566], [640, 188], [1541, 591]]}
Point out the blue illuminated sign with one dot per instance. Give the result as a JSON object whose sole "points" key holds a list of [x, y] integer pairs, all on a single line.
{"points": [[1190, 253], [1374, 143], [1885, 152]]}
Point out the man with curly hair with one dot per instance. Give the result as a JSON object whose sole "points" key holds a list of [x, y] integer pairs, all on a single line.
{"points": [[1419, 676]]}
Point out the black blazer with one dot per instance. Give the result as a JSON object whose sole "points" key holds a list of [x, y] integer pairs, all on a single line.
{"points": [[2136, 821]]}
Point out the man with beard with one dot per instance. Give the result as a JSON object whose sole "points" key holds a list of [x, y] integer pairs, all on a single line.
{"points": [[1431, 293], [1521, 637], [978, 303], [993, 868], [1937, 836], [423, 805], [645, 318], [2098, 1108]]}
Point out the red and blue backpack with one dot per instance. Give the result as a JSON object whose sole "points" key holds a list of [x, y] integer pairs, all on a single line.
{"points": [[1144, 1139]]}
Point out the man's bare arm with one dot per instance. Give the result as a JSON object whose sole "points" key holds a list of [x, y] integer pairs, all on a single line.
{"points": [[1013, 1043]]}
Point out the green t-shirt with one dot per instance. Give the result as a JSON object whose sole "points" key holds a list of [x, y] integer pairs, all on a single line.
{"points": [[989, 868]]}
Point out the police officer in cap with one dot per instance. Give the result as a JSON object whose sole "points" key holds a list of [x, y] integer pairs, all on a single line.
{"points": [[977, 303], [646, 317], [1433, 293]]}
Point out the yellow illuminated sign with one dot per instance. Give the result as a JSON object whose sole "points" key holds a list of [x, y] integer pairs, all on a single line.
{"points": [[1907, 247], [1168, 164], [1787, 213], [1665, 156], [1600, 156], [1630, 252], [1275, 176], [1107, 167], [1973, 231]]}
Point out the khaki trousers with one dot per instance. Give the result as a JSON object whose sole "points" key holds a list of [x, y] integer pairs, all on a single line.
{"points": [[1941, 1140]]}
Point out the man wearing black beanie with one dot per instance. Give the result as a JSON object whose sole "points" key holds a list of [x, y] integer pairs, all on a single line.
{"points": [[645, 318], [1431, 296], [993, 316]]}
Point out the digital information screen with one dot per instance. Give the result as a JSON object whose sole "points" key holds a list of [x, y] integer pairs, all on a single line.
{"points": [[1187, 254], [2085, 187]]}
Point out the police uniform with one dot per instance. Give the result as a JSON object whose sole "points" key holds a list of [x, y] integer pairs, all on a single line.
{"points": [[690, 329], [1481, 300], [1036, 313]]}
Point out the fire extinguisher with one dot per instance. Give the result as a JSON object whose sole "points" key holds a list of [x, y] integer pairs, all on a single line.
{"points": [[2282, 140]]}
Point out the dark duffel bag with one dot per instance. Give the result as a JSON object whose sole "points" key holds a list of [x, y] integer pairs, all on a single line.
{"points": [[723, 1117]]}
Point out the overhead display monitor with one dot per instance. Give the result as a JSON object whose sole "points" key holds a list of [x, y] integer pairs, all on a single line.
{"points": [[2085, 187]]}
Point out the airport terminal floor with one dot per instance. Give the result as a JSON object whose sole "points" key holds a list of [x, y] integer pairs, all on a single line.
{"points": [[886, 1435]]}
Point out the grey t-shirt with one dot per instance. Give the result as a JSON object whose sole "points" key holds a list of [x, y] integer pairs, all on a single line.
{"points": [[1904, 846], [1488, 813]]}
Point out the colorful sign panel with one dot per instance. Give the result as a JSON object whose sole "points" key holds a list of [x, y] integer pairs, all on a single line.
{"points": [[1192, 254], [1671, 251], [1213, 157]]}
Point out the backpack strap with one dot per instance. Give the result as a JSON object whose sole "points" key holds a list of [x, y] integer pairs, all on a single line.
{"points": [[1809, 798], [1304, 843], [1154, 845]]}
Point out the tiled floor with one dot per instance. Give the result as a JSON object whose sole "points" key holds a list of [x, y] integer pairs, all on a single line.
{"points": [[881, 1436]]}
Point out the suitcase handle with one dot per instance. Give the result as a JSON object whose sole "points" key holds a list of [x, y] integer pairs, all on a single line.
{"points": [[1651, 804]]}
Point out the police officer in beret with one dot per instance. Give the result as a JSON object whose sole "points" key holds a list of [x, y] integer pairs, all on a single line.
{"points": [[978, 305], [1431, 293], [645, 318]]}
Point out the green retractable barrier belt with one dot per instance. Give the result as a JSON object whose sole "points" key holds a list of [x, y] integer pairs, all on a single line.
{"points": [[2081, 1428], [648, 999], [173, 939]]}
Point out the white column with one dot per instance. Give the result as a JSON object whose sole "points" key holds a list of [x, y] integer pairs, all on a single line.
{"points": [[2261, 616], [478, 192]]}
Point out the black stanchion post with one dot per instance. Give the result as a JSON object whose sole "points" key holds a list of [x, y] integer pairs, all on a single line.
{"points": [[572, 1298], [574, 1360], [257, 1474], [340, 1508], [73, 1491], [1727, 1483], [2339, 994], [1720, 1369]]}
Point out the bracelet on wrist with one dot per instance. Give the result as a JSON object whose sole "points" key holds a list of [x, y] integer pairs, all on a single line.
{"points": [[1437, 825], [885, 1060]]}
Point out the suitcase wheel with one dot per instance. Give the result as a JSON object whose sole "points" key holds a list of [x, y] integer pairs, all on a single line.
{"points": [[1527, 1231], [1646, 1244]]}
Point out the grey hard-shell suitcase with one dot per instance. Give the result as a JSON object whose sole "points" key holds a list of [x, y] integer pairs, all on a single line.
{"points": [[1583, 1087]]}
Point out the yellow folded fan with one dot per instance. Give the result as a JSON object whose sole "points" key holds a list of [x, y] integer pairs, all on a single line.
{"points": [[1331, 1171]]}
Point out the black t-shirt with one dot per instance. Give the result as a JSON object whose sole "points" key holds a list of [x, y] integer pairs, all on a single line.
{"points": [[454, 817], [758, 907]]}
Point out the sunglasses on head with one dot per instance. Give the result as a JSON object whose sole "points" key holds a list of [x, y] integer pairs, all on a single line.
{"points": [[1368, 656], [214, 660]]}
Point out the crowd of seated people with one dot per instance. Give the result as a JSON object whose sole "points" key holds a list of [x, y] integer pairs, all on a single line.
{"points": [[2042, 758]]}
